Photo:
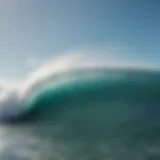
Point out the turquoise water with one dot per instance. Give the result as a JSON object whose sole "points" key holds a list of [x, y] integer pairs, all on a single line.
{"points": [[90, 115]]}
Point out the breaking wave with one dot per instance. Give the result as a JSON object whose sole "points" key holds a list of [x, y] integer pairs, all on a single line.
{"points": [[86, 94]]}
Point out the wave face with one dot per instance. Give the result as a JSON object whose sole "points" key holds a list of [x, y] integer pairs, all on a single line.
{"points": [[112, 97]]}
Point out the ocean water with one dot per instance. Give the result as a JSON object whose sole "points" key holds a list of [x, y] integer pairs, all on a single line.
{"points": [[86, 114]]}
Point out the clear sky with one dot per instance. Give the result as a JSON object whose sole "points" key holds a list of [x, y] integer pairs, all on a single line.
{"points": [[33, 30]]}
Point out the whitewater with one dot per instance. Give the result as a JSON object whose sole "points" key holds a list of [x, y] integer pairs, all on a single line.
{"points": [[70, 108]]}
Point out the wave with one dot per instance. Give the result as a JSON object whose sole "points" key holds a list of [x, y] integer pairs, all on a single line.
{"points": [[72, 94]]}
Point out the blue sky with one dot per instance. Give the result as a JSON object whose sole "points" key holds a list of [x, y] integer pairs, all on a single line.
{"points": [[33, 30]]}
